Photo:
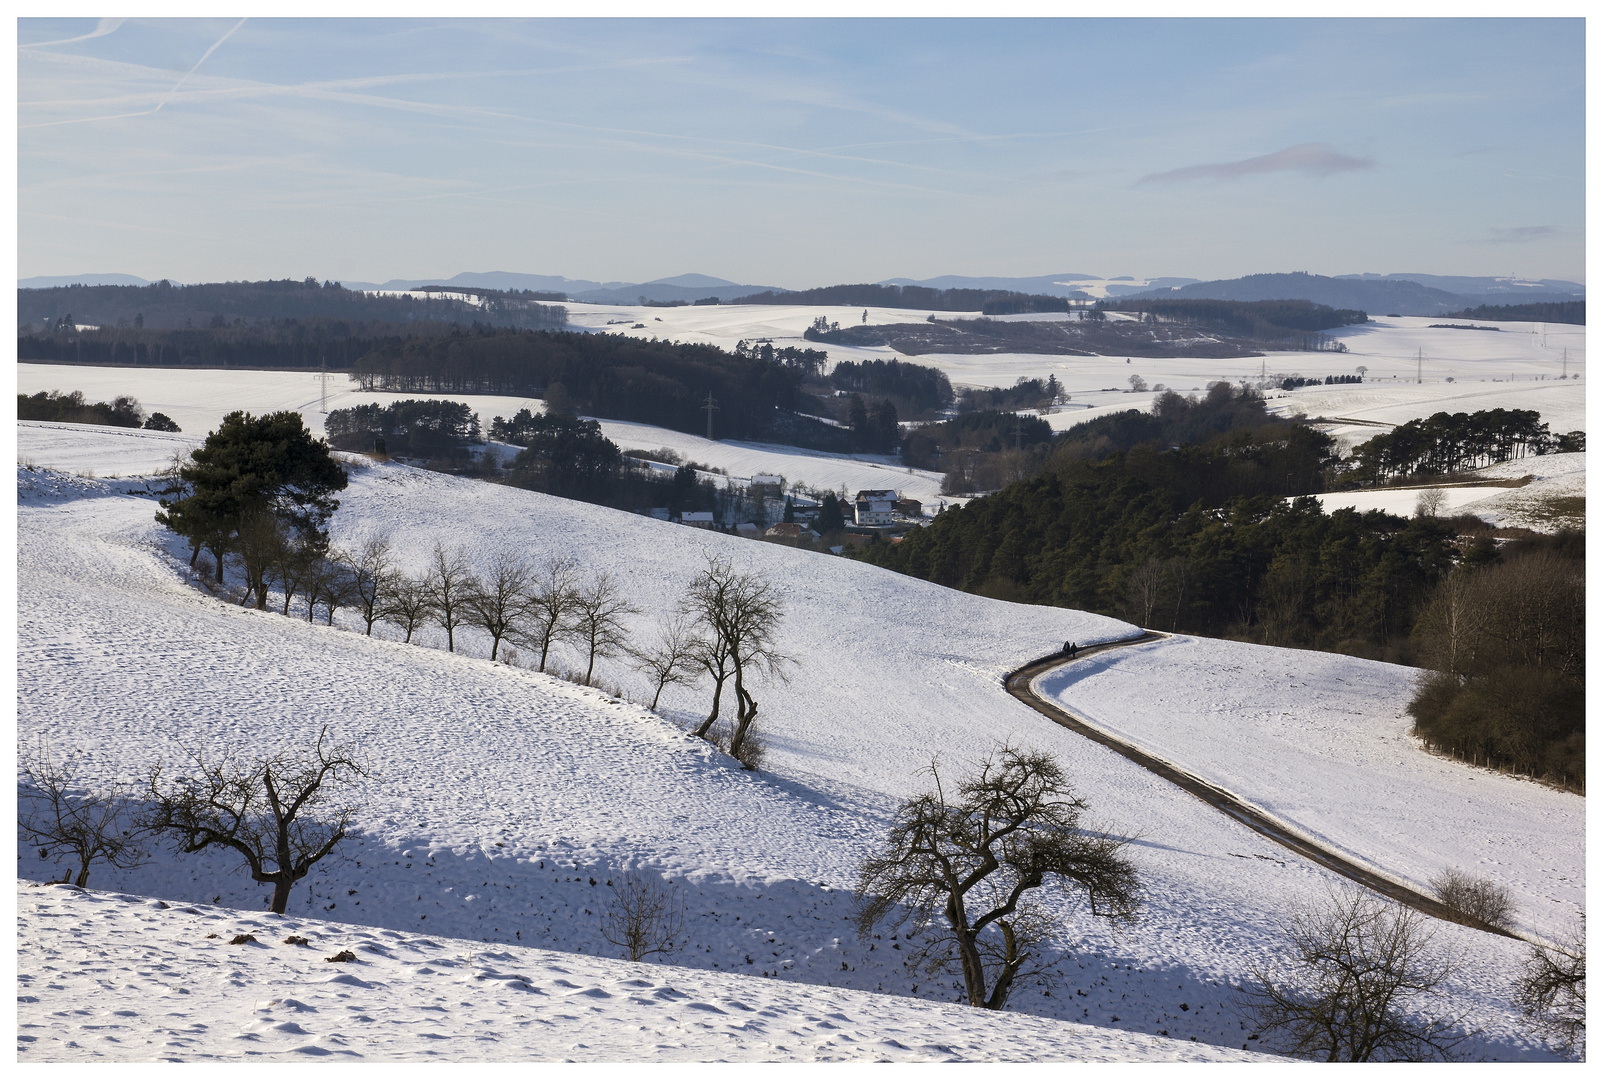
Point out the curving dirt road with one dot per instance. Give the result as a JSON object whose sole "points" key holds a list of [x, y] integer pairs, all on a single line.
{"points": [[1018, 684]]}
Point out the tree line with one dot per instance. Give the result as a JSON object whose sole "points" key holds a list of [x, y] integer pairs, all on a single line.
{"points": [[270, 344], [1562, 311], [1446, 443], [663, 383], [899, 296], [1505, 637], [72, 408], [216, 304], [1259, 319]]}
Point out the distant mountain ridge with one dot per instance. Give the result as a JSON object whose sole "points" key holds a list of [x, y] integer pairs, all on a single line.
{"points": [[1373, 293], [1377, 294]]}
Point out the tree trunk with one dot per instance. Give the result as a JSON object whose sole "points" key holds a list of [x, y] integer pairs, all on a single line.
{"points": [[281, 887], [717, 703]]}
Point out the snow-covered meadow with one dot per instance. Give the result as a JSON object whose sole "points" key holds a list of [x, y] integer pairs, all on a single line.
{"points": [[502, 793]]}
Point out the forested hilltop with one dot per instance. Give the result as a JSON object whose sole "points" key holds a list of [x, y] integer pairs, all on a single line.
{"points": [[225, 304], [1213, 536]]}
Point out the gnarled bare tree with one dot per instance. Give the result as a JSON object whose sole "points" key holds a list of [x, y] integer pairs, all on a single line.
{"points": [[61, 809], [1360, 969], [974, 855], [1551, 992], [739, 612], [284, 813]]}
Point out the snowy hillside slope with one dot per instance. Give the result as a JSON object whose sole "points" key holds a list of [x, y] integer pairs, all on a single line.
{"points": [[503, 793], [156, 982], [1322, 742]]}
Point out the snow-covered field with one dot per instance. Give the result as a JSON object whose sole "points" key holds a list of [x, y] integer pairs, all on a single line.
{"points": [[502, 793], [1322, 743], [1542, 504], [197, 400], [162, 983]]}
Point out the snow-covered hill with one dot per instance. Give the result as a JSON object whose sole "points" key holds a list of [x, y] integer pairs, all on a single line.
{"points": [[158, 982], [502, 793]]}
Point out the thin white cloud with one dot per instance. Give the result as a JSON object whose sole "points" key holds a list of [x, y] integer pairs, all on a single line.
{"points": [[102, 28], [1311, 159], [1520, 234]]}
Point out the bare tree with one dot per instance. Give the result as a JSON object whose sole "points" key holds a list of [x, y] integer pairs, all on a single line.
{"points": [[673, 660], [328, 584], [1552, 991], [59, 808], [294, 567], [645, 916], [974, 860], [740, 612], [552, 600], [1431, 503], [450, 583], [1146, 587], [409, 604], [1360, 965], [598, 614], [501, 600], [372, 574], [284, 814]]}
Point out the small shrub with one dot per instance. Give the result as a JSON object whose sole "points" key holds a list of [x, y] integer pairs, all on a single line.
{"points": [[344, 956], [646, 914], [242, 939], [751, 753], [1476, 899]]}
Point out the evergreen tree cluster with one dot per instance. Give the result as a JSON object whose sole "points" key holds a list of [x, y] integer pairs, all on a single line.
{"points": [[810, 361], [915, 388], [1445, 443], [434, 430], [1564, 311], [1212, 538], [1023, 394]]}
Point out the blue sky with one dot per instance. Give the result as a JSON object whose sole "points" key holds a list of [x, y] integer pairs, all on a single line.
{"points": [[799, 153]]}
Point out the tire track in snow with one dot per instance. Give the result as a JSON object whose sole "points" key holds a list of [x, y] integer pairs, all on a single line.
{"points": [[1020, 683]]}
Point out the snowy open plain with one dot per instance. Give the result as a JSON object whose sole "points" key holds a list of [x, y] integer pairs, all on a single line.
{"points": [[503, 801]]}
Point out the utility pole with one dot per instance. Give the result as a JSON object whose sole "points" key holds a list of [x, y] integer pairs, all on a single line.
{"points": [[710, 406], [1018, 431], [1419, 367], [323, 376], [1566, 363]]}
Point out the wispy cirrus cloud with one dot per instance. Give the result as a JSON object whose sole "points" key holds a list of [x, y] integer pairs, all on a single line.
{"points": [[1520, 234], [1311, 159]]}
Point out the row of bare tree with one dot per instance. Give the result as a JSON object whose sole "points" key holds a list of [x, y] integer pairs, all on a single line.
{"points": [[723, 630]]}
